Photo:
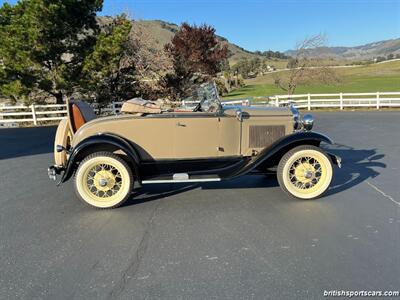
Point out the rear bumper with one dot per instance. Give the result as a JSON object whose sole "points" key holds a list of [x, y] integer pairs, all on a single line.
{"points": [[53, 171]]}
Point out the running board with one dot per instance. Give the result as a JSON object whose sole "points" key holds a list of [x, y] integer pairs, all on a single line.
{"points": [[181, 178]]}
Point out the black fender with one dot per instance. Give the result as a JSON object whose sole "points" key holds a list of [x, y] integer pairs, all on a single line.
{"points": [[100, 140], [279, 148]]}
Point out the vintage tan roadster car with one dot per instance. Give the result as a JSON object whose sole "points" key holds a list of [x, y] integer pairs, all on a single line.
{"points": [[210, 142]]}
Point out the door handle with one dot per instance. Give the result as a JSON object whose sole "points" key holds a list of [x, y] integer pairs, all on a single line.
{"points": [[180, 124]]}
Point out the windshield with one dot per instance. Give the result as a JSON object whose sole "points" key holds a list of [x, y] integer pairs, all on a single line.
{"points": [[205, 96]]}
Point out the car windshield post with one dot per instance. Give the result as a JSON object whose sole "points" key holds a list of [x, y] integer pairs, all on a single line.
{"points": [[203, 98], [208, 95]]}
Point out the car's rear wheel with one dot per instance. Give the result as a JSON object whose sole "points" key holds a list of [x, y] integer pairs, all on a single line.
{"points": [[103, 180], [305, 172]]}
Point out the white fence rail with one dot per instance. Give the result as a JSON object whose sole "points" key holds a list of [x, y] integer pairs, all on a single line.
{"points": [[339, 100], [37, 113], [12, 115], [32, 114]]}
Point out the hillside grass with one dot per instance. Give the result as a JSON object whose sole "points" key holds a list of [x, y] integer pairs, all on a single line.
{"points": [[370, 78]]}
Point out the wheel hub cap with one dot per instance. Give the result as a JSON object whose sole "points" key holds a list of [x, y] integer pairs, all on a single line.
{"points": [[308, 174], [305, 173], [104, 181]]}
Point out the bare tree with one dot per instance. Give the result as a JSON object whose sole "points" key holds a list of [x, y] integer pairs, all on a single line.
{"points": [[306, 66], [151, 63]]}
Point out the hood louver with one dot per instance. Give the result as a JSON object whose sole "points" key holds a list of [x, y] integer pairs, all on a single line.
{"points": [[263, 136]]}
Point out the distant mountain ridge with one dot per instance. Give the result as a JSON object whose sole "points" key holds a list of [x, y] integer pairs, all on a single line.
{"points": [[162, 32], [363, 52]]}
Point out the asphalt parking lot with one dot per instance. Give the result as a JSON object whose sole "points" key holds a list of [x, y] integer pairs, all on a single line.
{"points": [[242, 239]]}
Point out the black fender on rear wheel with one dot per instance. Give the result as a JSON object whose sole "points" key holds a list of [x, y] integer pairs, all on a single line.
{"points": [[101, 142]]}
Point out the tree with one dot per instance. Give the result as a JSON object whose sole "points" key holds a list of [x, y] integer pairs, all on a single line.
{"points": [[195, 52], [274, 54], [151, 63], [43, 45], [304, 69], [109, 71]]}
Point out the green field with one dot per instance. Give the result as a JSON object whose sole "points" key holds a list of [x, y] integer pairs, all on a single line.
{"points": [[372, 78]]}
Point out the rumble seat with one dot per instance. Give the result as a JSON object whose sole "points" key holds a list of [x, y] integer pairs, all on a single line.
{"points": [[81, 112]]}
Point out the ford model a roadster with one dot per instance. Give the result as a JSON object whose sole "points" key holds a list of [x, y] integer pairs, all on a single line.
{"points": [[209, 142]]}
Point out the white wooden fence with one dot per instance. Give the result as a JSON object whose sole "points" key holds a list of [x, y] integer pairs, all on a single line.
{"points": [[12, 115], [339, 100], [37, 113], [32, 114]]}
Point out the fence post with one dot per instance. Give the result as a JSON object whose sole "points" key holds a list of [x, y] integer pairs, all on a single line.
{"points": [[309, 101], [113, 108], [34, 114], [341, 100], [377, 100], [276, 101]]}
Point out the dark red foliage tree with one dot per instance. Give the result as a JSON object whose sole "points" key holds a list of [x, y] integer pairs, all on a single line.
{"points": [[195, 50]]}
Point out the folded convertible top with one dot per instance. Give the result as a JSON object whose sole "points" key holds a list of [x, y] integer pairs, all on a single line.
{"points": [[140, 106]]}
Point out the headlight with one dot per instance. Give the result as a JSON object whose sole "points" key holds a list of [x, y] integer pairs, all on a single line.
{"points": [[308, 122]]}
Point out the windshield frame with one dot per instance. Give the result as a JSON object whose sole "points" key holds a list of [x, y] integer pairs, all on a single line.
{"points": [[205, 96]]}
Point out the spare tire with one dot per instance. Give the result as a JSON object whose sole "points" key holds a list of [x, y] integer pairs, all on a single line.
{"points": [[63, 138]]}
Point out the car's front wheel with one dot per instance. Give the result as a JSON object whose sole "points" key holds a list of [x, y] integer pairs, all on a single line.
{"points": [[103, 180], [305, 172]]}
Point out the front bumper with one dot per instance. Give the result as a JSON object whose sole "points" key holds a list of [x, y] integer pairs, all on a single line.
{"points": [[337, 160], [53, 171]]}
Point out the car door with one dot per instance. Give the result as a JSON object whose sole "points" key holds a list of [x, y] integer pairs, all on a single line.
{"points": [[196, 135], [152, 136], [229, 136]]}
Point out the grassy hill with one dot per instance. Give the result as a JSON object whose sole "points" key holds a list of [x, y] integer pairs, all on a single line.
{"points": [[369, 78], [162, 32]]}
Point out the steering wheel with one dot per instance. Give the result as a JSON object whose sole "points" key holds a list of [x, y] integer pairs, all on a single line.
{"points": [[213, 108], [198, 107]]}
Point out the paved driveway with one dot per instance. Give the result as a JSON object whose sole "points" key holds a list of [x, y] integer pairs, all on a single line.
{"points": [[242, 239]]}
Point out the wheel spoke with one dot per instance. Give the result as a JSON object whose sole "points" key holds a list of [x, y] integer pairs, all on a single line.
{"points": [[104, 172], [305, 165]]}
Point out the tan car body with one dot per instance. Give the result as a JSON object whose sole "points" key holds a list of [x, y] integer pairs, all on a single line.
{"points": [[194, 135], [108, 154]]}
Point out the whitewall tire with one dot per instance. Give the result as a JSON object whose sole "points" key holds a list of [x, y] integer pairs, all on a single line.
{"points": [[305, 172], [103, 180]]}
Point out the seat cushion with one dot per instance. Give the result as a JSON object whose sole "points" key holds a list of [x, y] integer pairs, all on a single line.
{"points": [[82, 112], [86, 110]]}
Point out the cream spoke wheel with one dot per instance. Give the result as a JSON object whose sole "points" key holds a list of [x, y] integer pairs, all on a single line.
{"points": [[305, 172], [103, 180]]}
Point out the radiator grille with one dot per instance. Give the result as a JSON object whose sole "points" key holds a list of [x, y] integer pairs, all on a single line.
{"points": [[262, 136]]}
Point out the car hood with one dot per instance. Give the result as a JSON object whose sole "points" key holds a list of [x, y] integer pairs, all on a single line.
{"points": [[258, 110]]}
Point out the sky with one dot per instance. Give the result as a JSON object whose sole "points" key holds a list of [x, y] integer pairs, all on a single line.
{"points": [[274, 24]]}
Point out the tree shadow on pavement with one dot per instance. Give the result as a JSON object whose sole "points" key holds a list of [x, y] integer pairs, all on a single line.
{"points": [[17, 142]]}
